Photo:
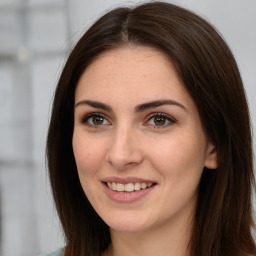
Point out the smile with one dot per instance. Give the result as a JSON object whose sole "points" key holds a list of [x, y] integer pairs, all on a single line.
{"points": [[128, 187]]}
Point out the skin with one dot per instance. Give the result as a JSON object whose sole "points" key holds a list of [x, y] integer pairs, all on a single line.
{"points": [[128, 143]]}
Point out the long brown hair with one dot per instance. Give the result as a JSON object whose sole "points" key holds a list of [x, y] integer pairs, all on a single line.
{"points": [[223, 220]]}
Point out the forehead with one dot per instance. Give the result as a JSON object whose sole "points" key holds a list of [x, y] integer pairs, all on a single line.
{"points": [[130, 73]]}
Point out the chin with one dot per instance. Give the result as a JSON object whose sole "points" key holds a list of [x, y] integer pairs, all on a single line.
{"points": [[128, 223], [128, 228]]}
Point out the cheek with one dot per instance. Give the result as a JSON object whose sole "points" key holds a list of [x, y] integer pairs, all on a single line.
{"points": [[88, 154], [180, 155], [180, 163]]}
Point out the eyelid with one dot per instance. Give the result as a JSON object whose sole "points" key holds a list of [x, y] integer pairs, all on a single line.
{"points": [[161, 114], [85, 118]]}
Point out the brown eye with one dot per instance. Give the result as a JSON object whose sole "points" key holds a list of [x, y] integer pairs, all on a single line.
{"points": [[95, 119], [159, 120]]}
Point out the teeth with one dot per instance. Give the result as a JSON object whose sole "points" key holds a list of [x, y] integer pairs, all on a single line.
{"points": [[143, 185], [119, 187], [129, 187], [137, 186], [114, 186], [149, 185]]}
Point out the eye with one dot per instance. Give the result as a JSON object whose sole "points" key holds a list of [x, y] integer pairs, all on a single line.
{"points": [[160, 120], [95, 119]]}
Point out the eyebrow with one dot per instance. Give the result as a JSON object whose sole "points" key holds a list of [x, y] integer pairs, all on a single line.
{"points": [[94, 104], [139, 108], [158, 103]]}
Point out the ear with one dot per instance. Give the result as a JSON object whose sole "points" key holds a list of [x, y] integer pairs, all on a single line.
{"points": [[211, 159]]}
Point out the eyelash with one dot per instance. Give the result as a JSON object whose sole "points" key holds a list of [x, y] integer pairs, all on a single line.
{"points": [[161, 115], [85, 120]]}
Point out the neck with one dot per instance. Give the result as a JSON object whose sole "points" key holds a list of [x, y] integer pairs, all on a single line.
{"points": [[172, 240]]}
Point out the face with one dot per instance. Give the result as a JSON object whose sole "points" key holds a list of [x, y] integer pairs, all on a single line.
{"points": [[138, 141]]}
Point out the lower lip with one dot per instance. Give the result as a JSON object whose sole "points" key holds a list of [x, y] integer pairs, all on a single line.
{"points": [[127, 197]]}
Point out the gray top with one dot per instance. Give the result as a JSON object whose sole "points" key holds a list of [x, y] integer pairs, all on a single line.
{"points": [[59, 252]]}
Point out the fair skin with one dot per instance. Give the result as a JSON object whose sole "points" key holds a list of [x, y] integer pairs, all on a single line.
{"points": [[136, 123]]}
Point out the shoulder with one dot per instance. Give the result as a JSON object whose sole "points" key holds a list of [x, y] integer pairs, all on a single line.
{"points": [[59, 252]]}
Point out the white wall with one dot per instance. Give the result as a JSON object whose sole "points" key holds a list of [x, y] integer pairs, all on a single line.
{"points": [[27, 210]]}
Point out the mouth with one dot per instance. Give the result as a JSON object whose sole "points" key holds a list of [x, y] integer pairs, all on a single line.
{"points": [[128, 187]]}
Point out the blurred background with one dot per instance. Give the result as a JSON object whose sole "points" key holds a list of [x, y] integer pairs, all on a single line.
{"points": [[35, 38]]}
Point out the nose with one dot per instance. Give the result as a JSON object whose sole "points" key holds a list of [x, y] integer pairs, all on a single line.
{"points": [[125, 149]]}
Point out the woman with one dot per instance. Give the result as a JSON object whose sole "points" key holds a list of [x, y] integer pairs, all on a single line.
{"points": [[149, 146]]}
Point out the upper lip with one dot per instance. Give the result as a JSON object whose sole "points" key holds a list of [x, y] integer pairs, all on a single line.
{"points": [[127, 180]]}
